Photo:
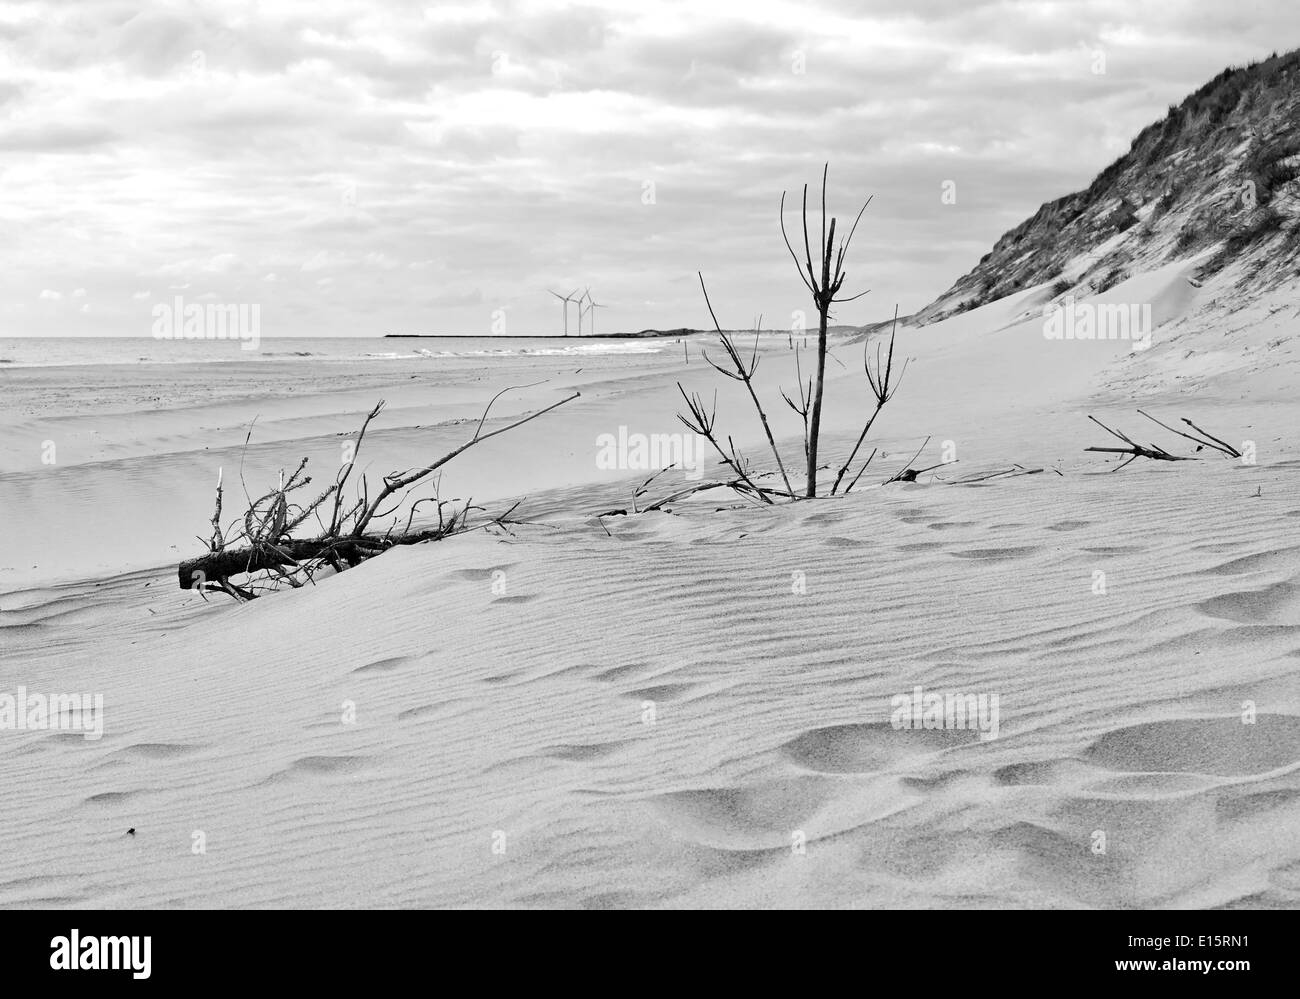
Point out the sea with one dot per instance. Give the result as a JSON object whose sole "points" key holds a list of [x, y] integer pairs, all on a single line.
{"points": [[20, 352]]}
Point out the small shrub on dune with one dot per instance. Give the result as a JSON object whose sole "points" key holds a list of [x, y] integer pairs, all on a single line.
{"points": [[1167, 200], [1111, 278], [1268, 168], [823, 278], [1189, 237], [1259, 226]]}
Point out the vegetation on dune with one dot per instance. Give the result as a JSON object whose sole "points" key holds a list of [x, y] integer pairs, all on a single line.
{"points": [[823, 276], [1199, 175]]}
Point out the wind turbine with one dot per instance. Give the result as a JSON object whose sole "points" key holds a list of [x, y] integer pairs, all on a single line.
{"points": [[566, 299], [586, 294], [592, 306]]}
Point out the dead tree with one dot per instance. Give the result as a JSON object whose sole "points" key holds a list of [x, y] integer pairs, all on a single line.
{"points": [[263, 546], [881, 377], [824, 291]]}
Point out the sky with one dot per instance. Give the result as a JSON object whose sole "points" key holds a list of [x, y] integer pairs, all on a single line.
{"points": [[390, 167]]}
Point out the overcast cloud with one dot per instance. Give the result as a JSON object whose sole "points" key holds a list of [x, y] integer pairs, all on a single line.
{"points": [[419, 167]]}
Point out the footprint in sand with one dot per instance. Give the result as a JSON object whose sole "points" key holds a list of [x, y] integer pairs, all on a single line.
{"points": [[1276, 604], [869, 748], [581, 753], [423, 709], [1041, 773], [160, 750], [996, 554], [836, 541], [320, 766], [112, 797], [1285, 559], [479, 575], [770, 816], [1220, 747], [742, 813], [1260, 803], [1068, 525], [662, 692], [822, 519], [1054, 855], [383, 665], [617, 673]]}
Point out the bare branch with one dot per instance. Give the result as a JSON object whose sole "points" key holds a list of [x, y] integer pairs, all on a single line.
{"points": [[1154, 452], [898, 476], [880, 387], [746, 374], [1230, 450], [270, 549], [392, 486], [793, 256]]}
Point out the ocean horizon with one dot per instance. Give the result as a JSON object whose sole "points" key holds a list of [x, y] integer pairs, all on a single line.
{"points": [[52, 351]]}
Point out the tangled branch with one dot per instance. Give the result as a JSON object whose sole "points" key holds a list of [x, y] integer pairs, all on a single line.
{"points": [[263, 546]]}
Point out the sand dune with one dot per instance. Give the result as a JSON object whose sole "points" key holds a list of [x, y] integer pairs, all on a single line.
{"points": [[646, 711]]}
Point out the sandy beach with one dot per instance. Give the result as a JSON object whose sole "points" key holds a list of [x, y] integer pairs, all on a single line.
{"points": [[675, 709], [570, 455]]}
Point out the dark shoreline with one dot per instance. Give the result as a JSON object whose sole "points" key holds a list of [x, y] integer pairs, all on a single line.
{"points": [[640, 335]]}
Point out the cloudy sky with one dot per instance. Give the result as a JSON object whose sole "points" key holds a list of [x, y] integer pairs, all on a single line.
{"points": [[361, 168]]}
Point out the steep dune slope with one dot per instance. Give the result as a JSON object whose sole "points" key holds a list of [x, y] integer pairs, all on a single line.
{"points": [[1218, 172]]}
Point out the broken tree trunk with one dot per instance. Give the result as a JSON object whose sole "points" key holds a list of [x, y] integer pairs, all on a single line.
{"points": [[239, 561]]}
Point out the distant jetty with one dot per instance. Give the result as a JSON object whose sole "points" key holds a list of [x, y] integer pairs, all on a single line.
{"points": [[639, 335]]}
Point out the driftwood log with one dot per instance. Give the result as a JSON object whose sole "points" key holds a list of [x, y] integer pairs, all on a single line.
{"points": [[240, 561], [262, 541]]}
